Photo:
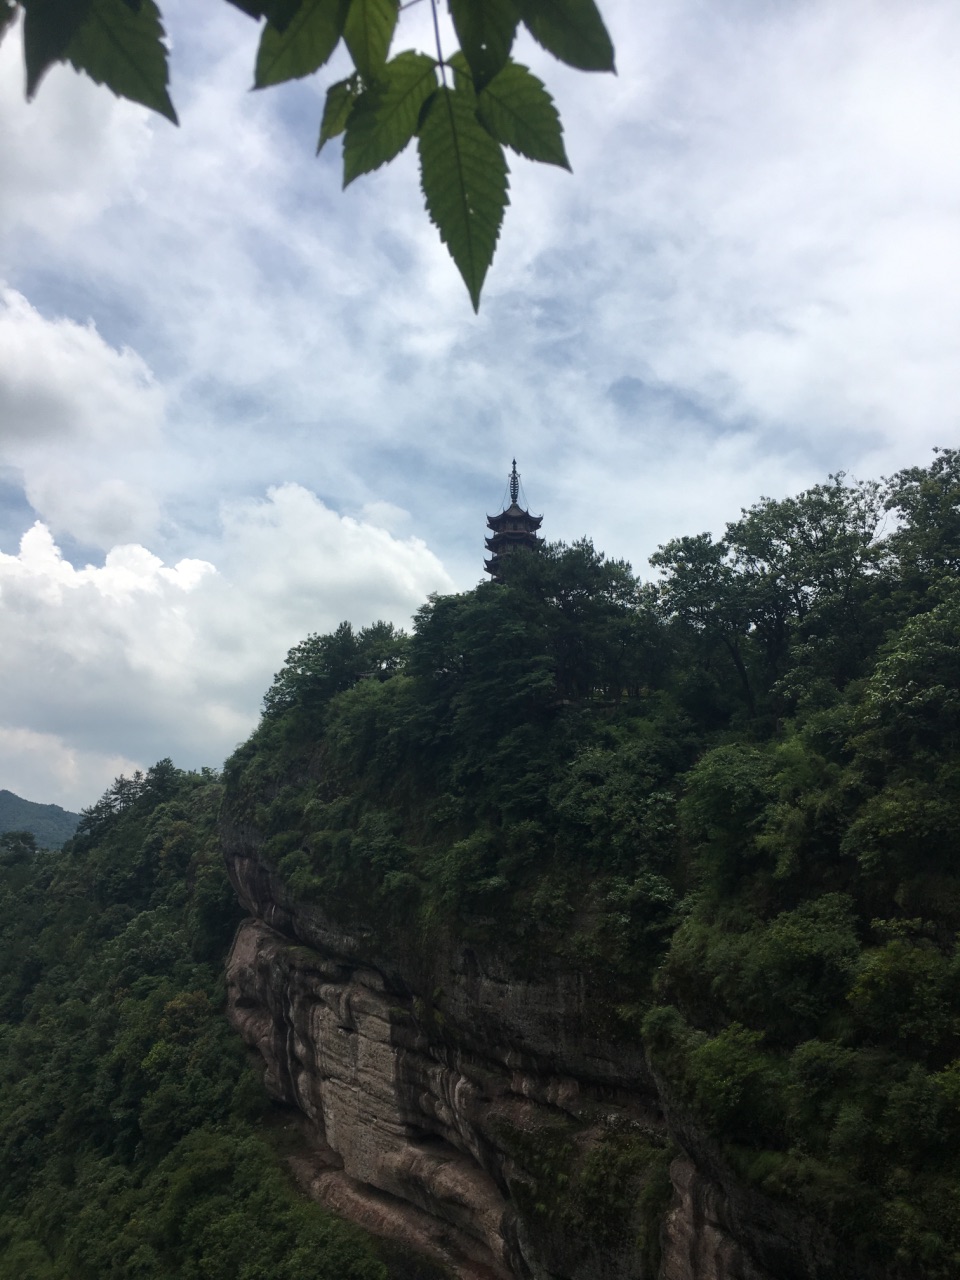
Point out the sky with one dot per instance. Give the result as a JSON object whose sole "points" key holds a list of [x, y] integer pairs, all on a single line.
{"points": [[239, 405]]}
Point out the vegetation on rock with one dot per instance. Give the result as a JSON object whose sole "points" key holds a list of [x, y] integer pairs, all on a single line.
{"points": [[728, 798]]}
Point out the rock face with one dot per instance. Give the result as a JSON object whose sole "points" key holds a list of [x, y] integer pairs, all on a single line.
{"points": [[479, 1114]]}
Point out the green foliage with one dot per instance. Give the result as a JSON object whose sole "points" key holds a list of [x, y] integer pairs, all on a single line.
{"points": [[486, 33], [130, 1134], [728, 802], [912, 701], [303, 45], [735, 1085], [463, 174], [811, 1000], [507, 748], [927, 499], [115, 43], [515, 108], [908, 991], [724, 800], [121, 45], [382, 122], [337, 107], [386, 102], [322, 666], [572, 30]]}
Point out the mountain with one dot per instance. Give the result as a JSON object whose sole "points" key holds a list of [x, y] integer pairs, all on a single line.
{"points": [[49, 824], [604, 930], [597, 930]]}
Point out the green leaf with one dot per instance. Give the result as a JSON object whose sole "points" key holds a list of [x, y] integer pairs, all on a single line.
{"points": [[463, 173], [48, 27], [304, 45], [517, 110], [386, 115], [337, 107], [368, 31], [124, 50], [572, 30], [485, 31], [463, 80], [280, 13]]}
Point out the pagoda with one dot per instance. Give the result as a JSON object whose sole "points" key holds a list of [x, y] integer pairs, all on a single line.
{"points": [[514, 529]]}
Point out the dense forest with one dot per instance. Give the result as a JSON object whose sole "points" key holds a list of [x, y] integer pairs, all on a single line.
{"points": [[727, 796], [135, 1139]]}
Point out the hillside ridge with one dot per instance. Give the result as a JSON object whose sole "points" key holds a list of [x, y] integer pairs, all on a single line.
{"points": [[50, 824]]}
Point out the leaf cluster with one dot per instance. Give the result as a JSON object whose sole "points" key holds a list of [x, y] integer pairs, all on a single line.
{"points": [[463, 106]]}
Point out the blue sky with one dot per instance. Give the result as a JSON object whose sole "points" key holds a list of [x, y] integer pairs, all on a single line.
{"points": [[238, 405]]}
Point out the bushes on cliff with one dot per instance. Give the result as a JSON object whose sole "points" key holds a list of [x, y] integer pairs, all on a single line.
{"points": [[824, 942], [513, 745]]}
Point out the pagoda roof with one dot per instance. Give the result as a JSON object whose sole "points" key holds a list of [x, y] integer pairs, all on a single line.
{"points": [[514, 512]]}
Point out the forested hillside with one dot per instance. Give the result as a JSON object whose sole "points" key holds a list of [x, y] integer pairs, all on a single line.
{"points": [[132, 1138], [729, 799], [48, 823]]}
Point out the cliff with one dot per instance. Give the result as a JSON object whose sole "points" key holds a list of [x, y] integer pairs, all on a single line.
{"points": [[594, 938], [453, 1102]]}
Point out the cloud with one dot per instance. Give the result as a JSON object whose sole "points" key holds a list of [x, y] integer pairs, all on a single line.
{"points": [[60, 381], [38, 766], [134, 659], [75, 414]]}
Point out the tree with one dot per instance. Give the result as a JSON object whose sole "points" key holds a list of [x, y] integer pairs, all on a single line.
{"points": [[590, 611], [321, 666], [790, 573], [702, 590], [808, 566], [927, 499], [463, 107]]}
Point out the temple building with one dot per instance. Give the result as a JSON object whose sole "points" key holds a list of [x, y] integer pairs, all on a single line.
{"points": [[514, 529]]}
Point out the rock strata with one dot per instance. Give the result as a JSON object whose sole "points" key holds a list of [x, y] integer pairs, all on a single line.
{"points": [[481, 1116]]}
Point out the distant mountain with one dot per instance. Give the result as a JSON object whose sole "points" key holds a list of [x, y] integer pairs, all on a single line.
{"points": [[50, 824]]}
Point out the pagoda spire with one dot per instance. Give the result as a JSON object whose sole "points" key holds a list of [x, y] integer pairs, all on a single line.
{"points": [[514, 529]]}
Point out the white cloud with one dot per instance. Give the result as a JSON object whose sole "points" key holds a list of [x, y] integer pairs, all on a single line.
{"points": [[60, 381], [386, 516], [75, 415], [43, 768], [137, 660]]}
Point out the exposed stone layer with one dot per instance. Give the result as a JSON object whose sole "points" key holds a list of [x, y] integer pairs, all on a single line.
{"points": [[452, 1104], [388, 1123]]}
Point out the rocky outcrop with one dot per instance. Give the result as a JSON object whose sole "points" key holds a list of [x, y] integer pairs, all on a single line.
{"points": [[388, 1122], [478, 1112]]}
